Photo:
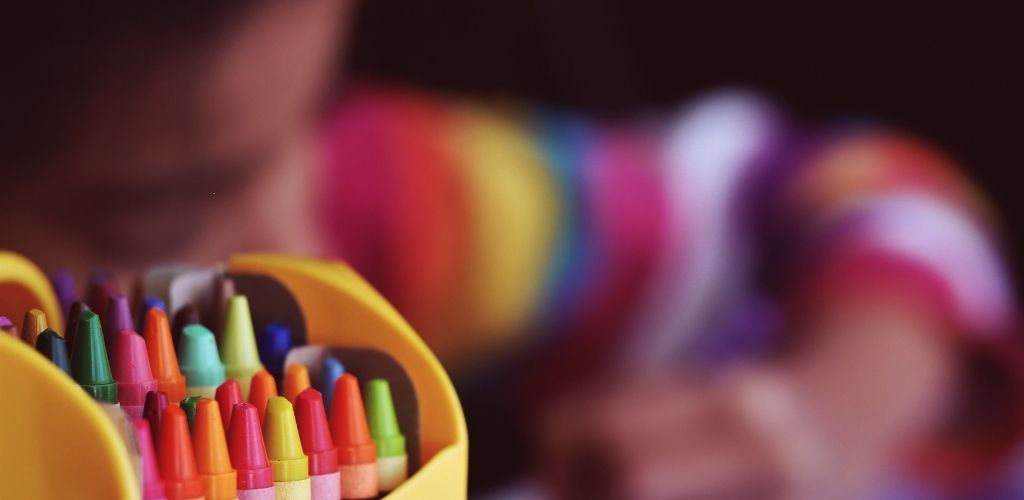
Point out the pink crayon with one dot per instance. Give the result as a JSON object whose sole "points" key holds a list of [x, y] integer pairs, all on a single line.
{"points": [[131, 370], [153, 487]]}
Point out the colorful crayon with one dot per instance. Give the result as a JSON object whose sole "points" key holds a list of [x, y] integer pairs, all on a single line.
{"points": [[101, 287], [90, 366], [52, 345], [228, 395], [249, 455], [357, 453], [132, 372], [33, 325], [200, 361], [284, 449], [189, 405], [64, 286], [223, 290], [275, 341], [264, 387], [392, 460], [7, 327], [329, 373], [153, 487], [153, 411], [219, 479], [149, 302], [162, 357], [188, 315], [315, 433], [177, 457], [71, 328], [296, 380], [238, 343], [119, 317]]}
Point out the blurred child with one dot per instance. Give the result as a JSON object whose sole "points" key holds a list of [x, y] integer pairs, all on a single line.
{"points": [[715, 305]]}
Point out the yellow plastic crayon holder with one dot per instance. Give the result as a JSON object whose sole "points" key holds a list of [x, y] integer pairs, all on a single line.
{"points": [[55, 441]]}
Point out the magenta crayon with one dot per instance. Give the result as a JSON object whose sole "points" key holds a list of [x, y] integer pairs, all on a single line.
{"points": [[249, 454], [153, 411], [7, 327], [153, 487], [71, 328], [315, 434], [118, 317], [102, 286], [64, 285], [132, 372]]}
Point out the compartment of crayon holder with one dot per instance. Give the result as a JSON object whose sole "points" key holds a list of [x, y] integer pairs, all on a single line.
{"points": [[57, 443]]}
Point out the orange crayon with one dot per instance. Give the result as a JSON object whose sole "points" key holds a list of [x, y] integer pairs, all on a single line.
{"points": [[296, 380], [357, 453], [262, 388], [162, 358], [211, 447]]}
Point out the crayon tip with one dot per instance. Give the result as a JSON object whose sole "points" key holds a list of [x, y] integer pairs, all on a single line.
{"points": [[228, 395], [90, 366], [52, 345], [200, 360], [274, 343], [149, 302], [223, 290], [248, 453], [380, 411], [71, 329], [329, 373], [296, 380], [153, 411], [188, 315], [33, 325], [177, 458], [153, 486], [238, 343], [118, 317], [64, 285], [284, 448], [132, 372], [315, 433], [189, 405], [348, 424], [264, 387], [7, 327], [162, 358], [102, 286], [211, 447]]}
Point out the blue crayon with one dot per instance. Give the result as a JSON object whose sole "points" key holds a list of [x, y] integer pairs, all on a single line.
{"points": [[148, 303], [331, 371], [274, 342]]}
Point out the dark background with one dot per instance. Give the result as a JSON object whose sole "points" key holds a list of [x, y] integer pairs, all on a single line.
{"points": [[947, 74]]}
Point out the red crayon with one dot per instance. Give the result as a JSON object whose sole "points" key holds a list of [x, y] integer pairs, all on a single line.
{"points": [[315, 434], [101, 287], [357, 453], [177, 458], [249, 454], [153, 487], [228, 395], [131, 370], [153, 411]]}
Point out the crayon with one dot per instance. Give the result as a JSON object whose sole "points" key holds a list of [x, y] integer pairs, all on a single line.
{"points": [[274, 343], [148, 303], [89, 364], [52, 345], [189, 405], [71, 329], [153, 487], [162, 357], [223, 290], [33, 325], [392, 461], [296, 380], [119, 317], [7, 327], [357, 453], [228, 395], [315, 433], [329, 373], [200, 361], [264, 387], [153, 411], [101, 287], [249, 455], [64, 285], [208, 439], [132, 372], [284, 449], [238, 343], [177, 458], [188, 315]]}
